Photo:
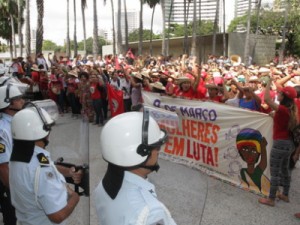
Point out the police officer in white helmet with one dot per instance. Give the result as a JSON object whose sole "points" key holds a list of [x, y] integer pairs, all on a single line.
{"points": [[125, 196], [38, 191], [11, 102]]}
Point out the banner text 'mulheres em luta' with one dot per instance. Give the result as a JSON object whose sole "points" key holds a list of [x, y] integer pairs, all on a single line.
{"points": [[192, 139]]}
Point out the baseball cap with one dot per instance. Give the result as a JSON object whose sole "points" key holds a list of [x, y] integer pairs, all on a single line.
{"points": [[288, 91]]}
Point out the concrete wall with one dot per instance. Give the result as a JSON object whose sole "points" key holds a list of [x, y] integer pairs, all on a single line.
{"points": [[263, 47]]}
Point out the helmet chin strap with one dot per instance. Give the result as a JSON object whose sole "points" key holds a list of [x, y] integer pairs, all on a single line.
{"points": [[46, 141], [14, 109], [152, 168]]}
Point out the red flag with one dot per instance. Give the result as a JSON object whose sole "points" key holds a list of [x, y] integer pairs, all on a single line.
{"points": [[115, 101]]}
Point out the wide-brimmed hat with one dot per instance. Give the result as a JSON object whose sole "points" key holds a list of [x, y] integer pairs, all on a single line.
{"points": [[90, 56], [212, 85], [181, 80], [280, 66], [158, 85], [263, 70], [73, 73], [137, 75], [253, 79], [145, 73]]}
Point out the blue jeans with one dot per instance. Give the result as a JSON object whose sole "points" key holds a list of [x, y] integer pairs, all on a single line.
{"points": [[98, 108]]}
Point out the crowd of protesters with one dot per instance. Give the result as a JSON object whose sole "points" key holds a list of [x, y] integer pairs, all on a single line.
{"points": [[80, 86]]}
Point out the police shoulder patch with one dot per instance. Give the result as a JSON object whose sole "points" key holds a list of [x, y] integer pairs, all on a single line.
{"points": [[2, 148], [43, 159]]}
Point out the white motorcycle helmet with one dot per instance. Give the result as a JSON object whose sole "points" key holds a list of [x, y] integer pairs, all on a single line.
{"points": [[128, 139], [5, 80], [7, 94], [31, 124]]}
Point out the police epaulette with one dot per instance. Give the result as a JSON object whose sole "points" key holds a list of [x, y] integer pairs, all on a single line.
{"points": [[43, 159]]}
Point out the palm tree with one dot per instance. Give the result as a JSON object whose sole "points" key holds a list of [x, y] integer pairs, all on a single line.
{"points": [[164, 43], [95, 30], [169, 27], [215, 28], [126, 25], [83, 7], [27, 31], [194, 35], [152, 4], [13, 34], [140, 47], [113, 25], [68, 47], [9, 10], [282, 47], [40, 26], [247, 40], [75, 26], [20, 24], [185, 40], [224, 30], [119, 30], [257, 26]]}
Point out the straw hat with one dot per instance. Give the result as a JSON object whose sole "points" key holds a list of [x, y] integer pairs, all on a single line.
{"points": [[145, 74], [90, 56], [263, 70], [158, 85], [280, 66], [73, 73], [212, 86], [137, 75], [253, 79], [181, 80]]}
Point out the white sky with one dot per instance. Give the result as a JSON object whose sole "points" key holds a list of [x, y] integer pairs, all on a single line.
{"points": [[55, 18], [55, 21]]}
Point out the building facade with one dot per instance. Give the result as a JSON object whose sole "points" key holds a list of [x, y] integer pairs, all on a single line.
{"points": [[241, 7]]}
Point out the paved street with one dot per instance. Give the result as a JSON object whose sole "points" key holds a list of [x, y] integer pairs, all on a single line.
{"points": [[192, 197]]}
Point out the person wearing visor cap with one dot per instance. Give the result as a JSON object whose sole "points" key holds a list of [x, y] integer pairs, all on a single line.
{"points": [[11, 102], [38, 191], [285, 120], [125, 196]]}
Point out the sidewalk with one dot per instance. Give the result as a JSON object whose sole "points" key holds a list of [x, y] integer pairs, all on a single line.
{"points": [[192, 197]]}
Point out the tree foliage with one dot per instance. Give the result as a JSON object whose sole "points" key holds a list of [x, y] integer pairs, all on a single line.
{"points": [[134, 35], [178, 30], [8, 8], [271, 23], [49, 45]]}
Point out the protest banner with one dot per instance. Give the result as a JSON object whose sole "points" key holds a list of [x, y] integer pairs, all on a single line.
{"points": [[229, 143]]}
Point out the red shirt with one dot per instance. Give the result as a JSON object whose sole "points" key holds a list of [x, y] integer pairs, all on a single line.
{"points": [[94, 89], [217, 98], [261, 95], [281, 121], [187, 94], [201, 90], [35, 76]]}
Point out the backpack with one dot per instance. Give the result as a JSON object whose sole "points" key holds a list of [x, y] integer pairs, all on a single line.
{"points": [[296, 139], [296, 135]]}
